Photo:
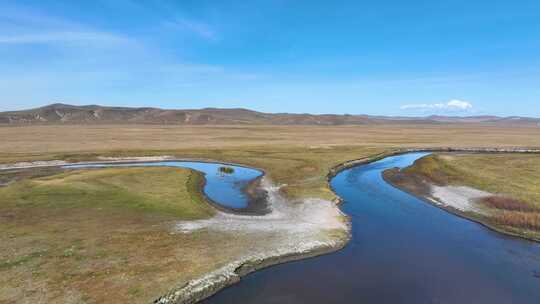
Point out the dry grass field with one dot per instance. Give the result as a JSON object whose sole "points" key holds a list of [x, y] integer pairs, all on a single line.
{"points": [[59, 248], [296, 156], [72, 138]]}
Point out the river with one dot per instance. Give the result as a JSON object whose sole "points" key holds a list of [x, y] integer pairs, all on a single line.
{"points": [[403, 250]]}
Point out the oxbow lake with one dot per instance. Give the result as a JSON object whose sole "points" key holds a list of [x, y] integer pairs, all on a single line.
{"points": [[225, 189]]}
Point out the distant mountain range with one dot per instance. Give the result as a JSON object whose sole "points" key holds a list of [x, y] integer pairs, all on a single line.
{"points": [[93, 114]]}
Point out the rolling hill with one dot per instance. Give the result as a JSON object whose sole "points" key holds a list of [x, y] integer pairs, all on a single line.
{"points": [[59, 113]]}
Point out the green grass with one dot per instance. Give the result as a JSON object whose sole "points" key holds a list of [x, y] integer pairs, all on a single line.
{"points": [[513, 175], [143, 190], [20, 260], [301, 171], [513, 179], [434, 169], [105, 233]]}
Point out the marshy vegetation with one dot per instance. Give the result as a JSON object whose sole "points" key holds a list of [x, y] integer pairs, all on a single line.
{"points": [[508, 203], [513, 213]]}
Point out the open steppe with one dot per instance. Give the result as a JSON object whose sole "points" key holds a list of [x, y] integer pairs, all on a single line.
{"points": [[67, 261], [298, 156]]}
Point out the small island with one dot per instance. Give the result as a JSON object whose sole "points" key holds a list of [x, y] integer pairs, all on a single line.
{"points": [[226, 170]]}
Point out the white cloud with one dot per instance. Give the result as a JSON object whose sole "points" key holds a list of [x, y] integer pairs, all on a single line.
{"points": [[459, 104], [452, 105]]}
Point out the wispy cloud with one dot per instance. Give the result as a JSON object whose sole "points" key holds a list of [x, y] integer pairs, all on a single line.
{"points": [[61, 36], [200, 29], [67, 59], [171, 17], [452, 105], [19, 25]]}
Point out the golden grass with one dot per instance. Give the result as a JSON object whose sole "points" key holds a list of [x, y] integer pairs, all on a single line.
{"points": [[512, 175], [75, 237], [512, 178], [518, 219], [70, 139], [296, 156], [508, 203]]}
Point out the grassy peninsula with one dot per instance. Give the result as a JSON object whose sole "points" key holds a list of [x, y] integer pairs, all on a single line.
{"points": [[510, 181], [101, 235]]}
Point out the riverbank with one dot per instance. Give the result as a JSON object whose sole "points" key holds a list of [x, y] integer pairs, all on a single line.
{"points": [[261, 250], [392, 231], [307, 229], [336, 169], [289, 231], [495, 190], [256, 204], [102, 235]]}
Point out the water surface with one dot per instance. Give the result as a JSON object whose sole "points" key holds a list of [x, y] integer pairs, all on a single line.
{"points": [[403, 250], [224, 189]]}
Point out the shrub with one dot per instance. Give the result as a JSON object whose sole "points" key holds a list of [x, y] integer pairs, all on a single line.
{"points": [[508, 203], [515, 219], [226, 169]]}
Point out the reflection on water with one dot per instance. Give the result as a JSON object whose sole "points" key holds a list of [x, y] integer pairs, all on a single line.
{"points": [[403, 250]]}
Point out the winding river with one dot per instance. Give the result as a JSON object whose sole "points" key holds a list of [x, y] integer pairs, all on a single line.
{"points": [[403, 250]]}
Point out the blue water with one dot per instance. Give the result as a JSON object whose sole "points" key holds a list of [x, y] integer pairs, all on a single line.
{"points": [[403, 250], [223, 189]]}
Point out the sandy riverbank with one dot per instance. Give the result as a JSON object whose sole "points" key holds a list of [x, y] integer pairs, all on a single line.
{"points": [[306, 228], [461, 198]]}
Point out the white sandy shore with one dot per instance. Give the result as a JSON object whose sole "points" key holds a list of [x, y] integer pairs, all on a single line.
{"points": [[300, 229], [288, 217], [462, 198]]}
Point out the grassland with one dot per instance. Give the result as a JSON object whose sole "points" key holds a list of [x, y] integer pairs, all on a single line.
{"points": [[142, 190], [296, 156], [513, 179], [35, 140], [104, 236]]}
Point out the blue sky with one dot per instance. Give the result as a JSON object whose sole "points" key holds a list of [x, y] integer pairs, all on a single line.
{"points": [[359, 57]]}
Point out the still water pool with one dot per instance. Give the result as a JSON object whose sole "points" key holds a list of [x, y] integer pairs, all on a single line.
{"points": [[225, 189]]}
